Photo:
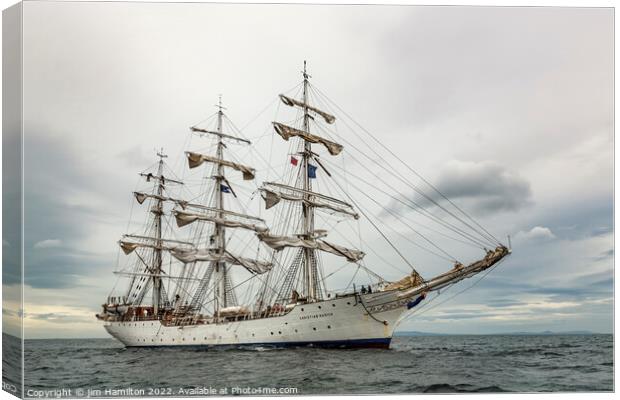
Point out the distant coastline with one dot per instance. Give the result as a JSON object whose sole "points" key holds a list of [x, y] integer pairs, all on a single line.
{"points": [[542, 333]]}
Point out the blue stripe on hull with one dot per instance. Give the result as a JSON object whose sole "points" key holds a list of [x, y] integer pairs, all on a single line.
{"points": [[381, 343]]}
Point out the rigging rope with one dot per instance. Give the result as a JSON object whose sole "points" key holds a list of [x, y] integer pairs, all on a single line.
{"points": [[484, 232]]}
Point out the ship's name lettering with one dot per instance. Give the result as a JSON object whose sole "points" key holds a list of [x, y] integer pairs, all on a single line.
{"points": [[323, 315]]}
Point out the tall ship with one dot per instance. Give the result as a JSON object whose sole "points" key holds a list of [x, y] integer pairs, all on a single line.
{"points": [[201, 270]]}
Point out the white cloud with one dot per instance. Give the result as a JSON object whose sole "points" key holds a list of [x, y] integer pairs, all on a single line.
{"points": [[48, 244], [536, 233]]}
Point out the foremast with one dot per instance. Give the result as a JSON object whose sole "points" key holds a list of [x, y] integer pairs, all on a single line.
{"points": [[309, 262], [309, 240]]}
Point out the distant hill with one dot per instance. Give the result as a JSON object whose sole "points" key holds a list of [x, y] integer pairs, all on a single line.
{"points": [[418, 333]]}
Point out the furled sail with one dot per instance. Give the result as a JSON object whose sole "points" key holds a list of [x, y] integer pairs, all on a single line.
{"points": [[161, 178], [185, 217], [272, 198], [280, 242], [196, 159], [141, 197], [188, 256], [226, 212], [330, 119], [220, 134], [129, 247], [287, 132]]}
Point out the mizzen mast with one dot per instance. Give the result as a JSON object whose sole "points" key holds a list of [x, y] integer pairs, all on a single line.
{"points": [[158, 212]]}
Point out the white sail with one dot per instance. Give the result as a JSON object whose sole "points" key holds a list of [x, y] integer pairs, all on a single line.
{"points": [[189, 256], [287, 132], [185, 217], [196, 159], [330, 119], [280, 242]]}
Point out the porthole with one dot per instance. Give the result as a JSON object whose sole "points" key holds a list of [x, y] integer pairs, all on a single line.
{"points": [[161, 340], [319, 307], [183, 339], [279, 332], [173, 339], [295, 330], [302, 309], [314, 329], [194, 339], [205, 338], [272, 333], [252, 335], [348, 303], [329, 327], [333, 305]]}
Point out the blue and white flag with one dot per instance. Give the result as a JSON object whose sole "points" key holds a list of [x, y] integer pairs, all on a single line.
{"points": [[311, 171], [224, 188]]}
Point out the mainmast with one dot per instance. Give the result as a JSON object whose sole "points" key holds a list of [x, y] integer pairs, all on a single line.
{"points": [[220, 240], [216, 253], [307, 209]]}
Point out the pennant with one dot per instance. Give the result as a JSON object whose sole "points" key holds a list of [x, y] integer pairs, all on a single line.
{"points": [[294, 161], [224, 188], [311, 171]]}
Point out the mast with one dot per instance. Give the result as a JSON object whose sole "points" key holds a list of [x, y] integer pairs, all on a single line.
{"points": [[217, 280], [220, 242], [307, 209], [303, 272], [157, 260]]}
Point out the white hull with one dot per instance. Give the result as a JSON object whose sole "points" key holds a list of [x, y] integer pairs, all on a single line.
{"points": [[341, 322]]}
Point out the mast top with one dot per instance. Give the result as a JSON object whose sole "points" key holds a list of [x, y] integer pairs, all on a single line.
{"points": [[305, 74], [161, 154], [219, 104]]}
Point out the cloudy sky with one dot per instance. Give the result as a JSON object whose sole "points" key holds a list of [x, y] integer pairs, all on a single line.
{"points": [[508, 111]]}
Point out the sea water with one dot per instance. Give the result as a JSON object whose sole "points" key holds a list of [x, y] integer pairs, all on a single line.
{"points": [[437, 364]]}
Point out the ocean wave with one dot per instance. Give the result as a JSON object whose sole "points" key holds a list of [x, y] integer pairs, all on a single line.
{"points": [[461, 388]]}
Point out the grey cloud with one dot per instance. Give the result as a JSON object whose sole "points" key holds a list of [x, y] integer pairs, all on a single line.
{"points": [[135, 158], [59, 318], [579, 218], [51, 212], [604, 256], [9, 312], [483, 187]]}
